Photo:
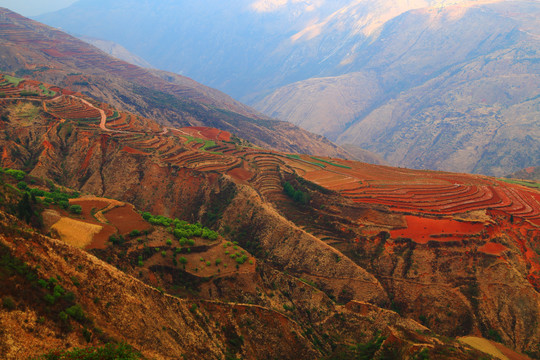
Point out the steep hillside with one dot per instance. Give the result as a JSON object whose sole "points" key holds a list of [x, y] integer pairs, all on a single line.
{"points": [[56, 298], [32, 49], [353, 256]]}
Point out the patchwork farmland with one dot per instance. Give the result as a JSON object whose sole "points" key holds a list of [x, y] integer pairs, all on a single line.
{"points": [[434, 206], [212, 150]]}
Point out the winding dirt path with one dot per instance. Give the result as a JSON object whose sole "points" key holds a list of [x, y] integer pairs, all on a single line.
{"points": [[103, 121]]}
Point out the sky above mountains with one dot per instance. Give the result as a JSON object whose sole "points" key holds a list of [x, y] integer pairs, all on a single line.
{"points": [[35, 7]]}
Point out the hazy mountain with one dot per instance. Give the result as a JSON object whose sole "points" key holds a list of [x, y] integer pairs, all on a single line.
{"points": [[238, 46], [117, 51], [446, 85], [454, 88], [531, 173]]}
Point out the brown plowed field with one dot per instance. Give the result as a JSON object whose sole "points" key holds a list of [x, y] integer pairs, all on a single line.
{"points": [[125, 219], [240, 174]]}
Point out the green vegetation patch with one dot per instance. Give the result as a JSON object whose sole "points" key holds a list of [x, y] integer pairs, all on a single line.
{"points": [[191, 139], [297, 195], [297, 157], [331, 163], [46, 91], [13, 80], [114, 116], [208, 144], [17, 174], [181, 229], [527, 183], [292, 156]]}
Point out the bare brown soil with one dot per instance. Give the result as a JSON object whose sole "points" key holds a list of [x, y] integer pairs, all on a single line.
{"points": [[126, 219]]}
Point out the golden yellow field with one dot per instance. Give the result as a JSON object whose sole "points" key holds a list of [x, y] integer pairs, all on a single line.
{"points": [[483, 345], [76, 233]]}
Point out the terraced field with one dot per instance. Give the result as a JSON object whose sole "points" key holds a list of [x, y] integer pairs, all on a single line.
{"points": [[420, 194]]}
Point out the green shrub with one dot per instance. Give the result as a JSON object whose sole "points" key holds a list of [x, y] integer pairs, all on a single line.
{"points": [[43, 283], [63, 316], [64, 204], [297, 195], [37, 192], [134, 233], [49, 299], [494, 335], [22, 185], [183, 261], [241, 259], [75, 209], [76, 312], [17, 174]]}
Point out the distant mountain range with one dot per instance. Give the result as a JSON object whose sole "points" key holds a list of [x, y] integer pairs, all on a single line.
{"points": [[449, 85]]}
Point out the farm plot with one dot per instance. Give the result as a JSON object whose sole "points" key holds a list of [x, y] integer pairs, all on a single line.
{"points": [[240, 173], [71, 108], [419, 191], [76, 233], [126, 219], [422, 230], [207, 133]]}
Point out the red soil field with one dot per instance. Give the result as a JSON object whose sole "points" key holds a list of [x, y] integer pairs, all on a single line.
{"points": [[421, 191], [207, 133], [492, 248], [125, 219], [240, 174], [133, 151], [422, 230], [100, 239], [88, 205]]}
